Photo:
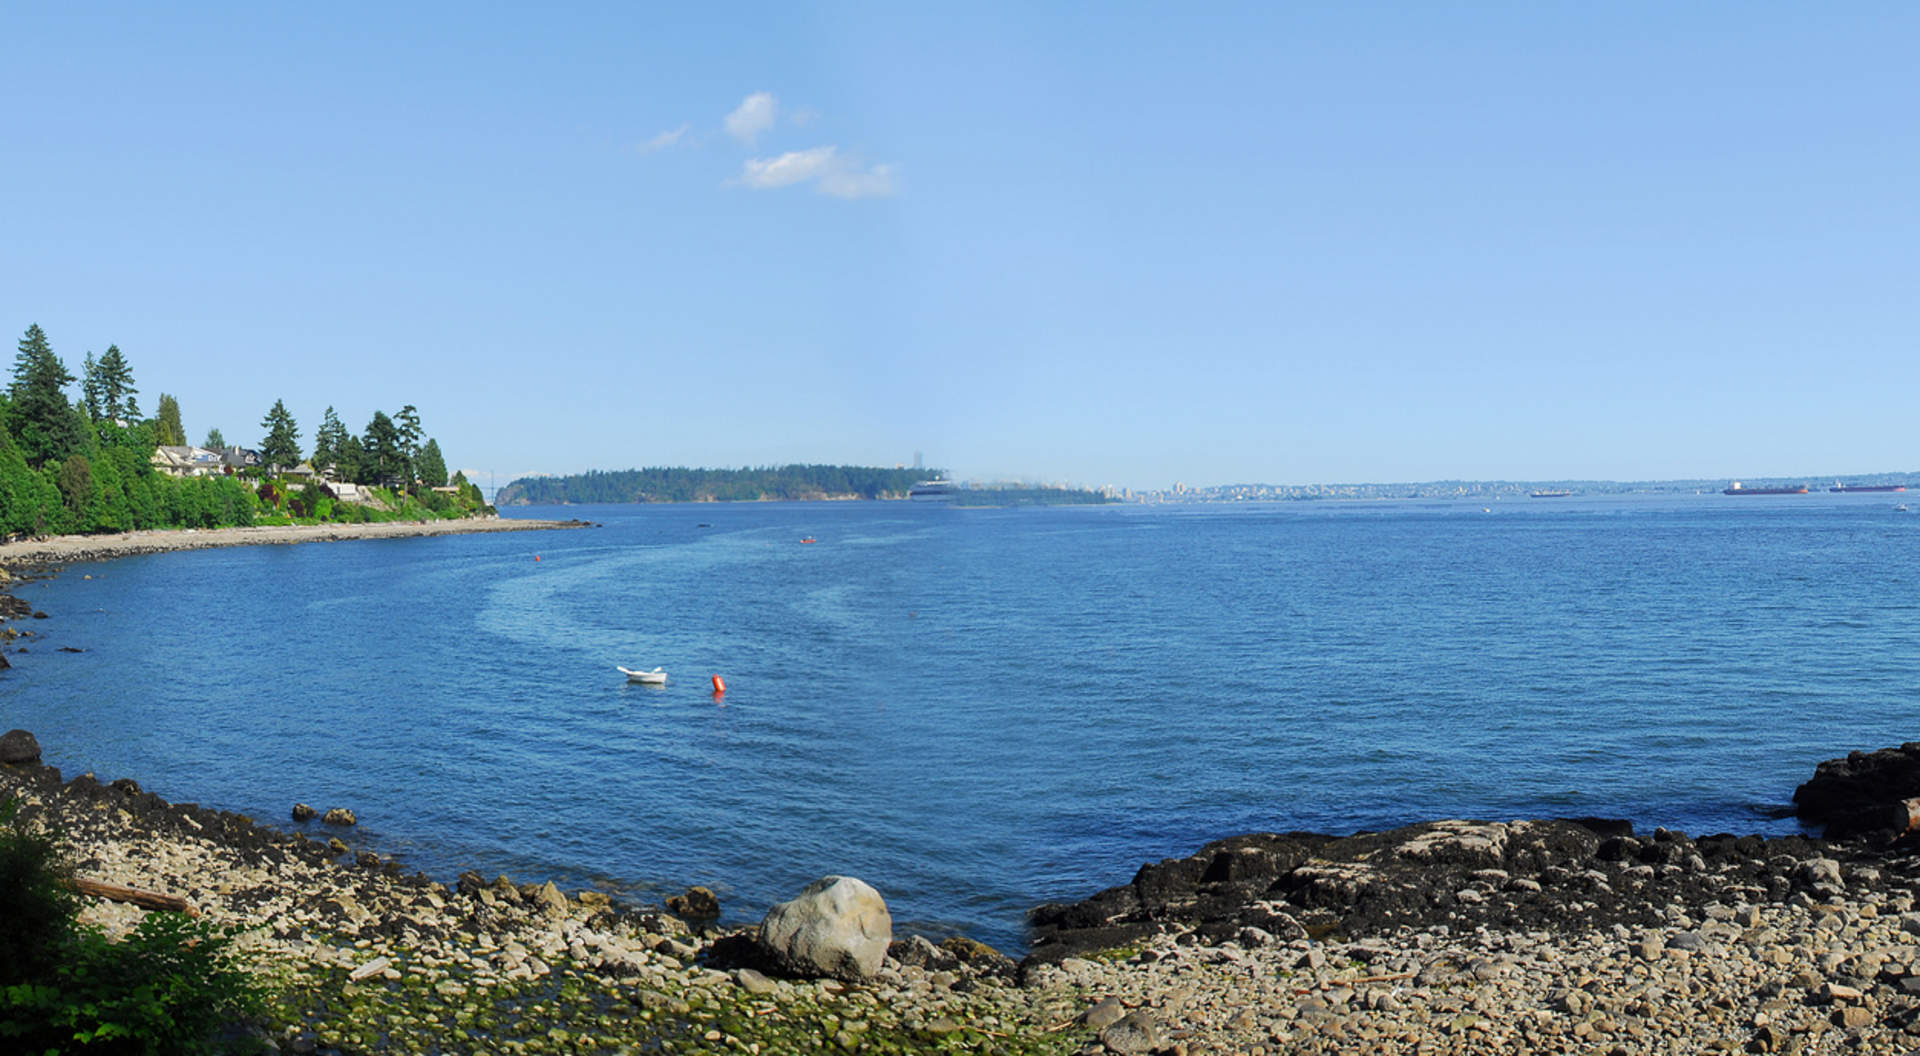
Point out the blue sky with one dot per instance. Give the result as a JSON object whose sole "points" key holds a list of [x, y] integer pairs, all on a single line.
{"points": [[1110, 244]]}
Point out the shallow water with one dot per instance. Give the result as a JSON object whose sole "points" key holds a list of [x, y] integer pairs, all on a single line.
{"points": [[977, 710]]}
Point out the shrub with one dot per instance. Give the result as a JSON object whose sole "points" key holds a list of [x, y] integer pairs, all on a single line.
{"points": [[167, 988], [36, 905]]}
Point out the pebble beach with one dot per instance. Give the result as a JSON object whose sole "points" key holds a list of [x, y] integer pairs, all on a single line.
{"points": [[66, 549], [1655, 944]]}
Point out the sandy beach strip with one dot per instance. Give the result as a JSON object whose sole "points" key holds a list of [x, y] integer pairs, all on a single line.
{"points": [[68, 549]]}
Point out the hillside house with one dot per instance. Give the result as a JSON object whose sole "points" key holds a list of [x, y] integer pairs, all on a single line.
{"points": [[180, 460]]}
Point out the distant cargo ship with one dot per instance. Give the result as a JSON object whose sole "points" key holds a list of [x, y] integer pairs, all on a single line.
{"points": [[1545, 493], [1738, 490], [932, 491], [1837, 486]]}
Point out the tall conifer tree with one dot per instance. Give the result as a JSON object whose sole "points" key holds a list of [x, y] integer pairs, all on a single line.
{"points": [[432, 466], [281, 448], [47, 425], [330, 444], [116, 385], [167, 430]]}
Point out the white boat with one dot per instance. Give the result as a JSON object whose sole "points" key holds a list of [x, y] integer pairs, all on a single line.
{"points": [[655, 677], [938, 490]]}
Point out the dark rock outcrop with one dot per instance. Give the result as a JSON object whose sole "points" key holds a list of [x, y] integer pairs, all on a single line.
{"points": [[19, 746], [340, 816], [1864, 793], [1526, 875]]}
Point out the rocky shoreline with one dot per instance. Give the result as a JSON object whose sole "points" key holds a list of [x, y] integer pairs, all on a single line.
{"points": [[1450, 936], [69, 549]]}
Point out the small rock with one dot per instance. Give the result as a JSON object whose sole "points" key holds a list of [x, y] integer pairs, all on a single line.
{"points": [[340, 816], [753, 982], [1134, 1034], [373, 967], [302, 812], [549, 897], [698, 903], [1837, 993], [1105, 1013], [1818, 872]]}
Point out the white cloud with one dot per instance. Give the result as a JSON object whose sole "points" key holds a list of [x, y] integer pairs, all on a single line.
{"points": [[663, 140], [795, 166], [850, 181], [824, 168], [755, 114]]}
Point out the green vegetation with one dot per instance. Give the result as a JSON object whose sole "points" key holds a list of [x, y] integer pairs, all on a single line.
{"points": [[167, 987], [714, 485], [281, 448], [70, 467]]}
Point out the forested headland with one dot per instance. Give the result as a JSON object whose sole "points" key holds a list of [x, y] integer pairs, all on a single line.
{"points": [[97, 464], [769, 484], [765, 483]]}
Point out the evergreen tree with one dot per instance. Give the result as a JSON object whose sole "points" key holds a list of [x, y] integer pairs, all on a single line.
{"points": [[432, 467], [46, 424], [132, 410], [329, 444], [349, 457], [167, 430], [214, 441], [91, 389], [116, 385], [382, 461], [407, 422], [76, 486], [281, 448]]}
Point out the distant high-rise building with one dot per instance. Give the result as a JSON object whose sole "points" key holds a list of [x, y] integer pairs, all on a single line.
{"points": [[916, 460]]}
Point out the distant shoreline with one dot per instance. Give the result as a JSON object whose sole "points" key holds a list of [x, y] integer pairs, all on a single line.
{"points": [[69, 549]]}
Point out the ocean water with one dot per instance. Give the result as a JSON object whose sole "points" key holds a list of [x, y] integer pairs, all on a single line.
{"points": [[980, 710]]}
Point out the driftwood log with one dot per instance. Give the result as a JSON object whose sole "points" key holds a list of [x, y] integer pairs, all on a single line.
{"points": [[143, 899]]}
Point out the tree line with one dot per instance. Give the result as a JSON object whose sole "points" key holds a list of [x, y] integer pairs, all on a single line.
{"points": [[676, 484], [86, 464]]}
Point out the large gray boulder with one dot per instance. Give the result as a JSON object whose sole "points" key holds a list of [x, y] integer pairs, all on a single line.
{"points": [[19, 746], [838, 926]]}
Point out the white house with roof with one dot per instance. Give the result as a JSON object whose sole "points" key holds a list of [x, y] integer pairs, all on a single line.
{"points": [[180, 460]]}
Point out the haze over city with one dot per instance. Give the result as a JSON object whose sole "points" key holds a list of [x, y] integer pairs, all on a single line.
{"points": [[1117, 246]]}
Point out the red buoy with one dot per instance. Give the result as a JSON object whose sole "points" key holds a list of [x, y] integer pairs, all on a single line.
{"points": [[719, 685]]}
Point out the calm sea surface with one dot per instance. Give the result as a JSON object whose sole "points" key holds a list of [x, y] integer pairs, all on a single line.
{"points": [[978, 710]]}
